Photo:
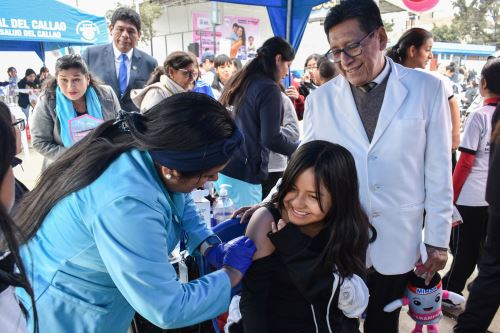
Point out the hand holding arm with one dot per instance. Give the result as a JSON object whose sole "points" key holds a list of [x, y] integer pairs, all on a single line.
{"points": [[246, 213], [239, 254]]}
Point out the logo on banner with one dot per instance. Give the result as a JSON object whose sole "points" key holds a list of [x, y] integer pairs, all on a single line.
{"points": [[88, 31]]}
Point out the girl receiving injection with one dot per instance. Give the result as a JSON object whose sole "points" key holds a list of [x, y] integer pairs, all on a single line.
{"points": [[311, 239]]}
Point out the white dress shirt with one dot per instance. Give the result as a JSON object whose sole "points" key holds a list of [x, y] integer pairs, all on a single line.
{"points": [[118, 60]]}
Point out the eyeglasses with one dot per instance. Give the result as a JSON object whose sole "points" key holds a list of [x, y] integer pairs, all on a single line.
{"points": [[351, 50], [19, 123], [188, 73], [310, 68]]}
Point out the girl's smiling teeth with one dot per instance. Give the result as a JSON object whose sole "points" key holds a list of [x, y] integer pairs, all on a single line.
{"points": [[299, 213]]}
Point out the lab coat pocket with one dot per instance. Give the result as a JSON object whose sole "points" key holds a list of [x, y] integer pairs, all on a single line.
{"points": [[85, 297]]}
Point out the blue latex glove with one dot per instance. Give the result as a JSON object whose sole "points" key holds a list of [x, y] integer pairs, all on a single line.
{"points": [[215, 255], [239, 253]]}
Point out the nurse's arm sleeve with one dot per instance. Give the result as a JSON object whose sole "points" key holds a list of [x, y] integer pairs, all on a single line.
{"points": [[131, 236], [195, 228]]}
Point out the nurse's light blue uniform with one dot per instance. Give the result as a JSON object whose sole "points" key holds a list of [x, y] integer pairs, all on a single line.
{"points": [[102, 253]]}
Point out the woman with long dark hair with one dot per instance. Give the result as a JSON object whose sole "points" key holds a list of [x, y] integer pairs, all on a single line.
{"points": [[414, 50], [178, 74], [240, 42], [254, 95], [103, 218], [11, 318], [72, 103], [307, 274]]}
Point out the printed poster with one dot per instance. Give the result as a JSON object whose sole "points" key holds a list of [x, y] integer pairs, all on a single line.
{"points": [[237, 36]]}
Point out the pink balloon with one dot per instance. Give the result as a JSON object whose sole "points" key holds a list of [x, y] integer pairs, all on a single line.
{"points": [[420, 5]]}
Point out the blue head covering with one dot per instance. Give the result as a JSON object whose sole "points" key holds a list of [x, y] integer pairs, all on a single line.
{"points": [[202, 158]]}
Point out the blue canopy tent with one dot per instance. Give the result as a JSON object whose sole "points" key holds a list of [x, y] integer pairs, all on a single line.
{"points": [[288, 17], [45, 25]]}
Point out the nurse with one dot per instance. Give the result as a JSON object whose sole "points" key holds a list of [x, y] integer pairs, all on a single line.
{"points": [[104, 217]]}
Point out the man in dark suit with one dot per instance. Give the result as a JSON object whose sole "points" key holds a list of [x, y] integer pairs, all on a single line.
{"points": [[120, 64]]}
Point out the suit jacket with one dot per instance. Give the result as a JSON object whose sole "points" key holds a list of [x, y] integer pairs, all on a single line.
{"points": [[404, 170], [101, 62]]}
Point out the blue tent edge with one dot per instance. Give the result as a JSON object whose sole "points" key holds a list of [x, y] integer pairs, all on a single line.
{"points": [[277, 11], [90, 30]]}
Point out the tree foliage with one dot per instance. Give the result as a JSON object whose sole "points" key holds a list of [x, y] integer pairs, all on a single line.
{"points": [[389, 25], [445, 33], [148, 11], [475, 22]]}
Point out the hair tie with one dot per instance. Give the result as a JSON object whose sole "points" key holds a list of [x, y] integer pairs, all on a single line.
{"points": [[122, 118]]}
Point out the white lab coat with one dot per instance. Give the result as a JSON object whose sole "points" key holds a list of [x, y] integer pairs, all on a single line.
{"points": [[404, 170]]}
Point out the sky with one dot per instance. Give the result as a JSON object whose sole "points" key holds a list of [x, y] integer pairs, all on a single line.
{"points": [[96, 7]]}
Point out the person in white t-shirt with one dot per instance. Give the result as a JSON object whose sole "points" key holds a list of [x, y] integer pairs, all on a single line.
{"points": [[414, 50], [469, 182]]}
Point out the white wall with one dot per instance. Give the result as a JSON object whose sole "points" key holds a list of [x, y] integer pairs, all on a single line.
{"points": [[313, 41]]}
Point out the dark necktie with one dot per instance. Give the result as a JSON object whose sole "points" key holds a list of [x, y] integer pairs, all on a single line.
{"points": [[122, 74], [367, 87]]}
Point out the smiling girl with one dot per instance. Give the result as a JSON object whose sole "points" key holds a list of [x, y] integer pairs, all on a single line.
{"points": [[311, 243]]}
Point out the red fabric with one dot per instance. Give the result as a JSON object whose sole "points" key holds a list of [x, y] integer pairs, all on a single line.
{"points": [[462, 171], [221, 320], [28, 134], [299, 102], [492, 100], [299, 106]]}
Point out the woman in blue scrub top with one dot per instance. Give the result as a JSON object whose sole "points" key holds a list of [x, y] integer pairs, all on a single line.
{"points": [[104, 217]]}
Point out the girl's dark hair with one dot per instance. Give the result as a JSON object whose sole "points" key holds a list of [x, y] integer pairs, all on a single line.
{"points": [[220, 60], [490, 73], [70, 61], [334, 168], [9, 231], [314, 56], [263, 65], [412, 37], [181, 122], [175, 60]]}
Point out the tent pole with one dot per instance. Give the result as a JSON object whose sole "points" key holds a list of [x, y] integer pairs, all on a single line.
{"points": [[288, 20]]}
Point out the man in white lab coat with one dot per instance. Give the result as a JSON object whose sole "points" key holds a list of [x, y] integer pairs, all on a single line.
{"points": [[396, 123]]}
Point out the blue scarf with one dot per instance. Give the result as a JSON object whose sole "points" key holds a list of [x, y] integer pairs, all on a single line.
{"points": [[65, 112]]}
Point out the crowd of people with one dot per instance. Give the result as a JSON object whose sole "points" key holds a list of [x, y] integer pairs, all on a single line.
{"points": [[339, 214]]}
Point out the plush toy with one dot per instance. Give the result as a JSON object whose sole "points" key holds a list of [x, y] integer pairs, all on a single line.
{"points": [[424, 302]]}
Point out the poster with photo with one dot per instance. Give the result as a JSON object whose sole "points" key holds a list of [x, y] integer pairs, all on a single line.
{"points": [[237, 36]]}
